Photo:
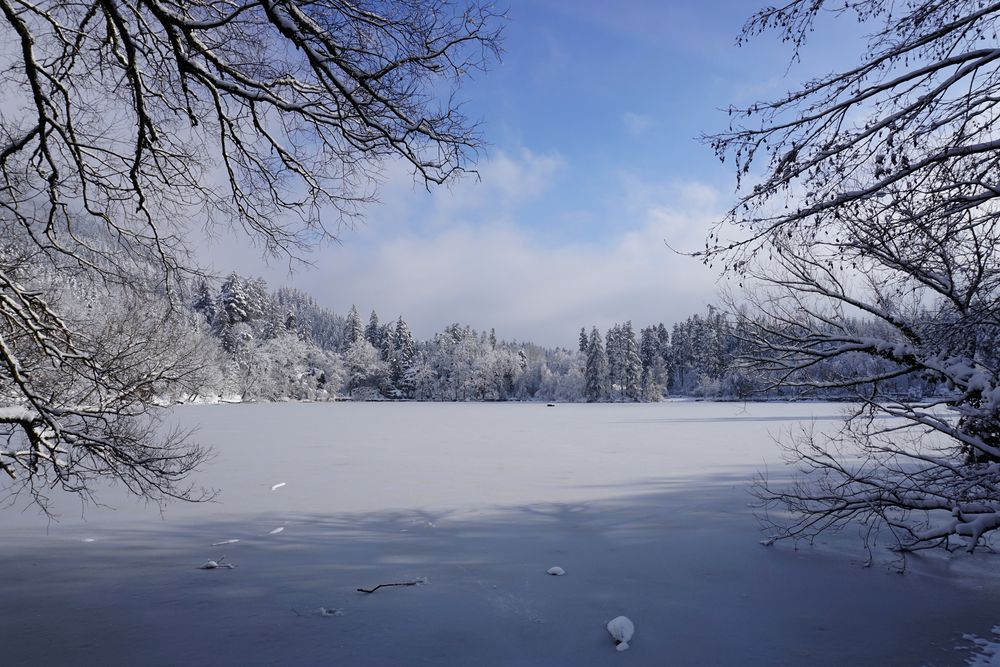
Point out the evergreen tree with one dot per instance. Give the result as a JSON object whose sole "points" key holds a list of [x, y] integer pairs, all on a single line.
{"points": [[650, 389], [649, 347], [387, 338], [222, 329], [405, 356], [632, 365], [404, 342], [390, 355], [615, 361], [596, 371], [353, 330], [234, 299], [259, 300], [373, 333], [204, 302], [584, 342], [666, 353], [681, 356], [720, 341]]}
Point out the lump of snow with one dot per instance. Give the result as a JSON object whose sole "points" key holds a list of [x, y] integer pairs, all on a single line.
{"points": [[219, 544], [622, 629], [556, 571], [276, 530], [216, 565], [17, 413], [278, 486], [329, 611]]}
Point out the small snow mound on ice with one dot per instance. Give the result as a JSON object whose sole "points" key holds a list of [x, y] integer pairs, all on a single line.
{"points": [[88, 539], [278, 486], [622, 629], [219, 544], [276, 530], [330, 611], [216, 565], [987, 651], [556, 571]]}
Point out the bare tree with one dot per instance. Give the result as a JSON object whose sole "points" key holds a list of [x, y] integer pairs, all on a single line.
{"points": [[125, 120], [877, 203]]}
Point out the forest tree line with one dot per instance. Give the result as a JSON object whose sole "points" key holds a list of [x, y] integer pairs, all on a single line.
{"points": [[281, 345]]}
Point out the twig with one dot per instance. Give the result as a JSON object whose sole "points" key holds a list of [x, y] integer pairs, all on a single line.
{"points": [[372, 590]]}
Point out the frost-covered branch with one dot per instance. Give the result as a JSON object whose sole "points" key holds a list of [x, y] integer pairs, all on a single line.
{"points": [[866, 231], [130, 124]]}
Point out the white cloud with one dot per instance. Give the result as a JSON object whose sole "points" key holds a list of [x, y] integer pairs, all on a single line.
{"points": [[503, 183], [479, 263], [499, 275]]}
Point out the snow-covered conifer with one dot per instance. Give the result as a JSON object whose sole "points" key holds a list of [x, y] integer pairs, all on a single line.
{"points": [[373, 332], [596, 385], [234, 299], [353, 329], [204, 302], [632, 366]]}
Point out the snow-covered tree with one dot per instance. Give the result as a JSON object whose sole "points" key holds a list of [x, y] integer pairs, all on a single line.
{"points": [[405, 352], [373, 332], [353, 330], [204, 302], [366, 373], [292, 369], [596, 383], [235, 299], [632, 366], [616, 360]]}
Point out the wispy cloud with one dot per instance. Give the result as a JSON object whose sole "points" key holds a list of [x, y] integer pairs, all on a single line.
{"points": [[636, 124]]}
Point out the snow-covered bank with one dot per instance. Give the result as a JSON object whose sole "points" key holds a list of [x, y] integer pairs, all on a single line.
{"points": [[643, 505]]}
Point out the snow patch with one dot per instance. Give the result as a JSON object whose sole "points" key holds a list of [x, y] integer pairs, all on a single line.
{"points": [[986, 651], [329, 611], [17, 413], [216, 565]]}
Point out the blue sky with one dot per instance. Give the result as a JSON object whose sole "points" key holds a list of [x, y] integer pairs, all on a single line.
{"points": [[593, 165]]}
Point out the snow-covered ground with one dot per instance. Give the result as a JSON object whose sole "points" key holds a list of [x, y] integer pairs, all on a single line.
{"points": [[645, 507]]}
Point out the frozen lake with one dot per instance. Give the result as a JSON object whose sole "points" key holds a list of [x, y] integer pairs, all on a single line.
{"points": [[644, 506]]}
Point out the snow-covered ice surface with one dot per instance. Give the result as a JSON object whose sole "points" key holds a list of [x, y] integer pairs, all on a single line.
{"points": [[646, 506]]}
